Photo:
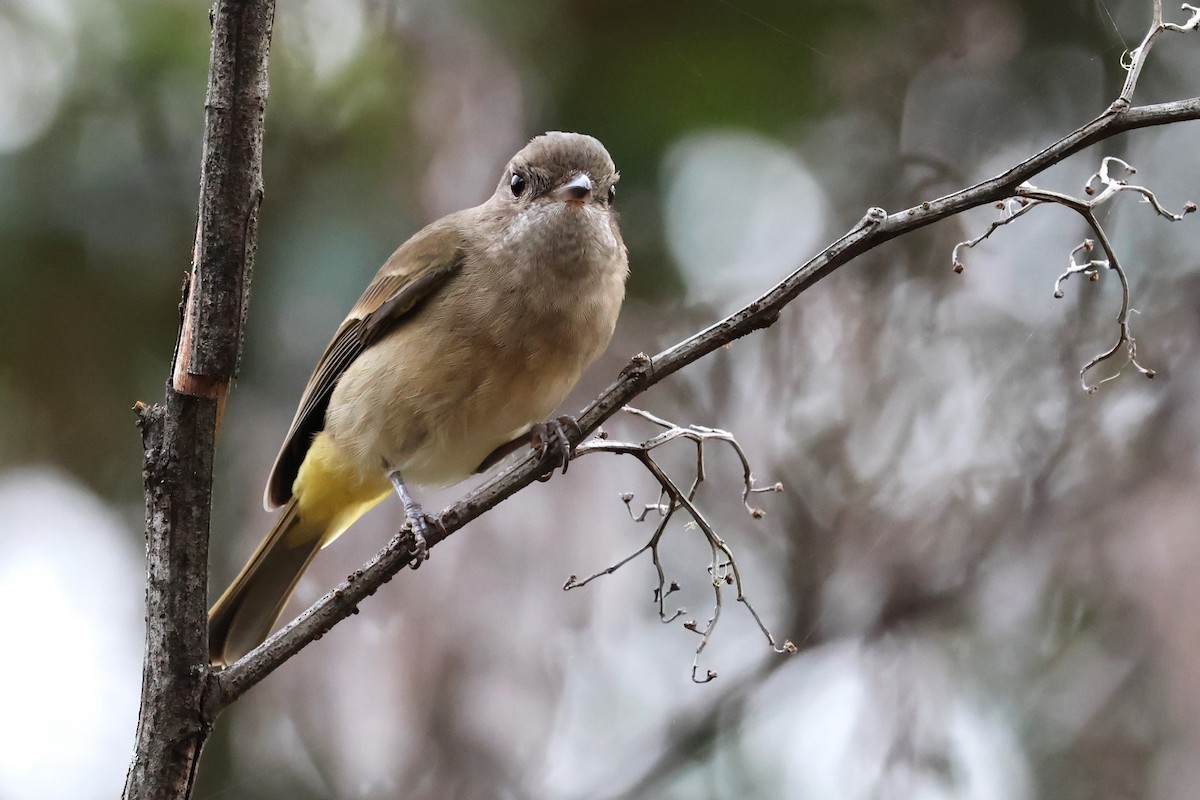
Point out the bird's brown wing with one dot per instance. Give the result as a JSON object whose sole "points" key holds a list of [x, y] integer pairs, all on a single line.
{"points": [[422, 264]]}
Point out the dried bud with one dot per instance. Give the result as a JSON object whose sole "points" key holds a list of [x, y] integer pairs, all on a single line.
{"points": [[627, 497], [1093, 276], [1088, 190], [1058, 294], [789, 647], [690, 625], [958, 266], [757, 513], [1150, 373], [1189, 207]]}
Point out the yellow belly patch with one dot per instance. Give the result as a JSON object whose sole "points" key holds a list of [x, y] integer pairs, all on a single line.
{"points": [[331, 489]]}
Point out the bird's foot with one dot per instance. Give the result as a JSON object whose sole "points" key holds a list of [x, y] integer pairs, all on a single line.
{"points": [[416, 520], [552, 444], [418, 533]]}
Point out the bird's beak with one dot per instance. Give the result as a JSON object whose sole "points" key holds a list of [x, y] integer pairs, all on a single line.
{"points": [[577, 189]]}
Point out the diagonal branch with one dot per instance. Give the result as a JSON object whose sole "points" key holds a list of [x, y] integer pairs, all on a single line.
{"points": [[876, 227]]}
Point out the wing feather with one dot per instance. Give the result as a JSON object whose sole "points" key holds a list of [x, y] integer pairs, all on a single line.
{"points": [[422, 264]]}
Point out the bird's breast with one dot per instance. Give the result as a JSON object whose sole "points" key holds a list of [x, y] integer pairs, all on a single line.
{"points": [[497, 350]]}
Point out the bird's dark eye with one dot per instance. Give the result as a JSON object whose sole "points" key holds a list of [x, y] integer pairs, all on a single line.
{"points": [[612, 194], [517, 184]]}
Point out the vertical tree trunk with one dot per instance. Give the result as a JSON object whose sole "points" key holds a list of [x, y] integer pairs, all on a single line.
{"points": [[178, 478], [179, 436]]}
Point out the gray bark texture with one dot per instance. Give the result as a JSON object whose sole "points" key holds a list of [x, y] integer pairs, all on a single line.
{"points": [[179, 436]]}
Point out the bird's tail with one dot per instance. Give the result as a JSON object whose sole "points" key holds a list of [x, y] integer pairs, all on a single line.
{"points": [[243, 616]]}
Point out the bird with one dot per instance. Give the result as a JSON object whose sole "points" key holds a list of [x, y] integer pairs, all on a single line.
{"points": [[467, 338]]}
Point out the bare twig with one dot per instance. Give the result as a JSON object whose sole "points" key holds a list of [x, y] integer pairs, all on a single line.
{"points": [[876, 227], [722, 567], [1135, 59], [1011, 209], [1101, 187]]}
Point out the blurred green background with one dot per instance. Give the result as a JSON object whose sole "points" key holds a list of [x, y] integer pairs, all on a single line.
{"points": [[989, 573]]}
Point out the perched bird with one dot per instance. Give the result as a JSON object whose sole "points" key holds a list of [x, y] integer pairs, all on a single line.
{"points": [[474, 330]]}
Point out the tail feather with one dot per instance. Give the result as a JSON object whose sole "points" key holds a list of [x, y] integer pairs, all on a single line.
{"points": [[243, 616]]}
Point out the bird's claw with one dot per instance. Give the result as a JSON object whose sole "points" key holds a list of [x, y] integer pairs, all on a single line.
{"points": [[418, 543], [552, 444]]}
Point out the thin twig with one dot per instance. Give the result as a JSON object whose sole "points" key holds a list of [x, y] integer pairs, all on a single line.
{"points": [[1100, 188], [1136, 58], [722, 568]]}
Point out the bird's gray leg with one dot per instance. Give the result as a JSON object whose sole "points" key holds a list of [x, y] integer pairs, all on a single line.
{"points": [[417, 520]]}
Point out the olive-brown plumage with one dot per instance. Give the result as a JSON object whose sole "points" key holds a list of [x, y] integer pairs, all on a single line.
{"points": [[473, 330]]}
